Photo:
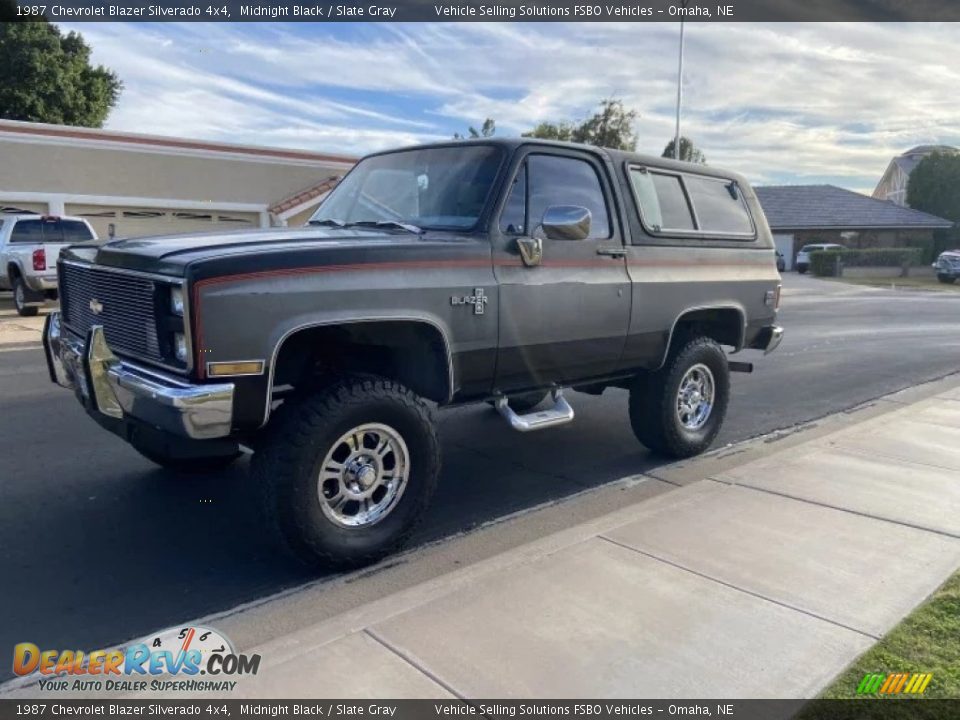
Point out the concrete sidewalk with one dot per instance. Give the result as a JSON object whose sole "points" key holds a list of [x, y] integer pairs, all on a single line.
{"points": [[762, 581], [16, 331]]}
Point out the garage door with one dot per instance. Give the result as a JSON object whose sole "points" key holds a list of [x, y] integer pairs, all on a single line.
{"points": [[13, 206], [139, 222], [784, 244]]}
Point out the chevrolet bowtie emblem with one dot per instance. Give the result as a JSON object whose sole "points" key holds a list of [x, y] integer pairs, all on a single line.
{"points": [[96, 307], [478, 300]]}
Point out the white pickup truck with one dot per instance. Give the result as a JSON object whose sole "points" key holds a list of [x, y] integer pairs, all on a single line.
{"points": [[29, 247]]}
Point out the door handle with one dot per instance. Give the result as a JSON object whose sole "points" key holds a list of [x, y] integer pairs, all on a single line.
{"points": [[616, 252]]}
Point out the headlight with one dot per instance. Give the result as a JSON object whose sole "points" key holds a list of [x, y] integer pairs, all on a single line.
{"points": [[180, 347], [176, 301]]}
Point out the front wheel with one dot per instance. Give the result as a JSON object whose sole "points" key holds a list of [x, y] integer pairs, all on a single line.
{"points": [[946, 279], [20, 299], [677, 411], [347, 472]]}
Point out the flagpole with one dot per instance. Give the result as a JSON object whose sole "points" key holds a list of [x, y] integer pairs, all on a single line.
{"points": [[676, 136]]}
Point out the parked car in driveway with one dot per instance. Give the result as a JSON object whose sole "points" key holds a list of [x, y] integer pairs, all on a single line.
{"points": [[948, 266], [504, 271], [29, 247], [803, 257]]}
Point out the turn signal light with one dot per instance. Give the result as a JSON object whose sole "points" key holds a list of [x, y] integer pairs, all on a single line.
{"points": [[219, 369], [40, 259]]}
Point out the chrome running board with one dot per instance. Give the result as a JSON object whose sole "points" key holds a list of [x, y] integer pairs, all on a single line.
{"points": [[560, 414]]}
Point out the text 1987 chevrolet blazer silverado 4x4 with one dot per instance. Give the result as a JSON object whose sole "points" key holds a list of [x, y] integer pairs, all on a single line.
{"points": [[498, 270]]}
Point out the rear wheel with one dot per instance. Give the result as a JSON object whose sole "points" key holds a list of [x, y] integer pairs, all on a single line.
{"points": [[801, 269], [20, 300], [678, 410], [348, 471], [946, 279]]}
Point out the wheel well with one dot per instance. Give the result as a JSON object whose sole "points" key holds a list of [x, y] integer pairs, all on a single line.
{"points": [[725, 325], [13, 271], [412, 352]]}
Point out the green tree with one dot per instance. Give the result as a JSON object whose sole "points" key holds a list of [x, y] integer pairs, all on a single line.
{"points": [[552, 131], [934, 185], [488, 129], [46, 76], [688, 151], [612, 126]]}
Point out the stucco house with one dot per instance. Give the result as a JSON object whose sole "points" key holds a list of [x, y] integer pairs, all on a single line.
{"points": [[893, 184], [129, 184], [803, 214]]}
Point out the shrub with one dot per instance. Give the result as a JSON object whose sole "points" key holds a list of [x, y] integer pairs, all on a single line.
{"points": [[824, 263]]}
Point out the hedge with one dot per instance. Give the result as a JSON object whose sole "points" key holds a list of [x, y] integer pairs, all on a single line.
{"points": [[824, 262]]}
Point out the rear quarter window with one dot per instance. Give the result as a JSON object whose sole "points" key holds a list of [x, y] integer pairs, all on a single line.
{"points": [[663, 204], [719, 206]]}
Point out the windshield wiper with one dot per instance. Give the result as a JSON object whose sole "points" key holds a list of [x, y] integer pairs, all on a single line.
{"points": [[409, 227], [328, 221]]}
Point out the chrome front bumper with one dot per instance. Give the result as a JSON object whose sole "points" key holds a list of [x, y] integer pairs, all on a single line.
{"points": [[122, 390]]}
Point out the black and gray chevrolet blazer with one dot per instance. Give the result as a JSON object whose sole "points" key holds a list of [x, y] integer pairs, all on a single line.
{"points": [[501, 271]]}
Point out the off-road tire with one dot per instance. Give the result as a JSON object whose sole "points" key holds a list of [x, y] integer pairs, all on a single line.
{"points": [[946, 279], [525, 402], [802, 269], [20, 294], [653, 398], [188, 466], [286, 467]]}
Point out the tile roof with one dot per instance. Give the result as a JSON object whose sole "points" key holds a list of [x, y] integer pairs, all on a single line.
{"points": [[304, 195], [800, 207]]}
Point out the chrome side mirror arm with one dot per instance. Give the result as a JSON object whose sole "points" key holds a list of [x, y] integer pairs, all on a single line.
{"points": [[531, 250]]}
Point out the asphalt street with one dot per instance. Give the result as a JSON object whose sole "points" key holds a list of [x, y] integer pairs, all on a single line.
{"points": [[98, 546]]}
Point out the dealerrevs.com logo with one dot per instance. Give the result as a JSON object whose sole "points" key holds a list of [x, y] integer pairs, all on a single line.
{"points": [[171, 660]]}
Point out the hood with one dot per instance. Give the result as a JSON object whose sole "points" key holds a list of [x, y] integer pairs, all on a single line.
{"points": [[169, 254]]}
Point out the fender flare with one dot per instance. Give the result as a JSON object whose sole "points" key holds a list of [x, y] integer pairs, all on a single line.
{"points": [[422, 319], [723, 306]]}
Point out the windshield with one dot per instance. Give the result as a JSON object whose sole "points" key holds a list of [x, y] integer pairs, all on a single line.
{"points": [[432, 188]]}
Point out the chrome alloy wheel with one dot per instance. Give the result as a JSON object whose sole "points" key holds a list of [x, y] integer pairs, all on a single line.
{"points": [[695, 397], [19, 299], [363, 476]]}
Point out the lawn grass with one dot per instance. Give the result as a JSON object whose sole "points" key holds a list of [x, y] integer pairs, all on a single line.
{"points": [[927, 641], [898, 283]]}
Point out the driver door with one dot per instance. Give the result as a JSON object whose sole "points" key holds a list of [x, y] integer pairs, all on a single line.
{"points": [[564, 319]]}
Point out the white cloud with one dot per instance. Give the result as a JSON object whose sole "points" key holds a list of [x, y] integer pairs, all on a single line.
{"points": [[780, 102]]}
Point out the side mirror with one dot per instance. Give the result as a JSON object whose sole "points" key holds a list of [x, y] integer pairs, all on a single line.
{"points": [[566, 222]]}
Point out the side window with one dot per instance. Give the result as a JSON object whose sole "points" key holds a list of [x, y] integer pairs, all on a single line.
{"points": [[719, 206], [555, 180], [27, 231], [513, 217], [663, 203], [75, 231]]}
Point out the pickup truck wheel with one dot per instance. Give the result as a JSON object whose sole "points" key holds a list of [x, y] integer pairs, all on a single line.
{"points": [[678, 410], [20, 299], [946, 279], [188, 466], [348, 471]]}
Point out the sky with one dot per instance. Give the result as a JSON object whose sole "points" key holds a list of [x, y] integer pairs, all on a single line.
{"points": [[781, 103]]}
